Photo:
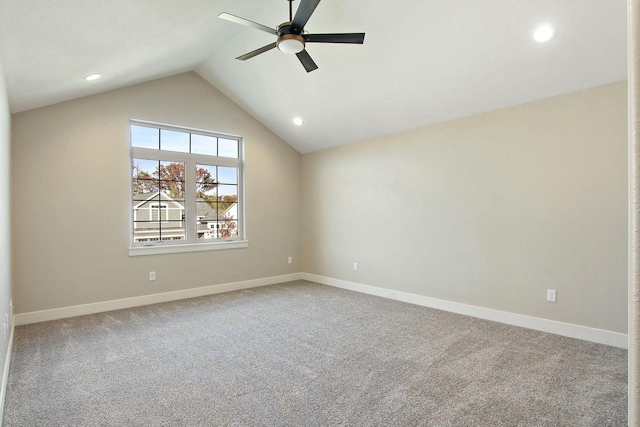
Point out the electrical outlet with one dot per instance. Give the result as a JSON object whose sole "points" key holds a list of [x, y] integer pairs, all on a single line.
{"points": [[152, 275], [551, 295], [290, 260], [355, 266]]}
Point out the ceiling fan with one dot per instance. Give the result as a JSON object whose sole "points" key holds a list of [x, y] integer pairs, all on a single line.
{"points": [[291, 35]]}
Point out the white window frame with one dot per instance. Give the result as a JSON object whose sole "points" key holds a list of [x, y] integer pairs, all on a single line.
{"points": [[191, 243]]}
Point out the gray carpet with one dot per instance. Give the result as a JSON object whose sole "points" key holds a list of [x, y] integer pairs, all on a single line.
{"points": [[304, 354]]}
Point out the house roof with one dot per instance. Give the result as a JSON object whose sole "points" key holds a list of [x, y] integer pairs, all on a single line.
{"points": [[142, 198], [422, 61], [206, 211]]}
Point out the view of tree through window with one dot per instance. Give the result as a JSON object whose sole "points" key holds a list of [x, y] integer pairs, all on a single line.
{"points": [[185, 185]]}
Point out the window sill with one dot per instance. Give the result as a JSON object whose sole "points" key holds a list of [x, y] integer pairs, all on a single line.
{"points": [[194, 247]]}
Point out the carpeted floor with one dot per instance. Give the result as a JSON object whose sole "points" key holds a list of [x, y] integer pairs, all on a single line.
{"points": [[304, 354]]}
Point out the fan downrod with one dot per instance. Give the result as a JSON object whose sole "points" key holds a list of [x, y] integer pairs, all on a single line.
{"points": [[290, 10]]}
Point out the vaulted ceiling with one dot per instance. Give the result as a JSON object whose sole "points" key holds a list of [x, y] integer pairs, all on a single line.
{"points": [[422, 61]]}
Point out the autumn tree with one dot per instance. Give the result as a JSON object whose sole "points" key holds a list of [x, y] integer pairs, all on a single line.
{"points": [[204, 182], [170, 179], [143, 182], [228, 229], [225, 202]]}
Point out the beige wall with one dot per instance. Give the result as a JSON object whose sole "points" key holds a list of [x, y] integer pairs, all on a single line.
{"points": [[489, 210], [70, 172], [5, 240]]}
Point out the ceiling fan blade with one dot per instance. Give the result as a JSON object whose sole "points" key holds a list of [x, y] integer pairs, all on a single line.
{"points": [[356, 38], [303, 14], [306, 61], [242, 21], [257, 52]]}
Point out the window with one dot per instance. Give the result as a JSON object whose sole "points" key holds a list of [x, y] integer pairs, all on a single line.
{"points": [[186, 189]]}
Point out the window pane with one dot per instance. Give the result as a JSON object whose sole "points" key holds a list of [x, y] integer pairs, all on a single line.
{"points": [[228, 148], [145, 137], [145, 177], [145, 218], [207, 219], [206, 174], [146, 232], [172, 179], [227, 211], [227, 175], [206, 181], [174, 211], [158, 211], [154, 231], [174, 141], [228, 229], [172, 230], [142, 211], [144, 169], [207, 212], [227, 201], [201, 144], [230, 191], [206, 233]]}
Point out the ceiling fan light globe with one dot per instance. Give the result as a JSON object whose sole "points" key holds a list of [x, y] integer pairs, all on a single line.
{"points": [[291, 43]]}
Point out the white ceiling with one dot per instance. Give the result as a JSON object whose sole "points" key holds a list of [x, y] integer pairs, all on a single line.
{"points": [[422, 62]]}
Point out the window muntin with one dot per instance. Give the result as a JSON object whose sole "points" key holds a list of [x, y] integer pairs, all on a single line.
{"points": [[182, 192]]}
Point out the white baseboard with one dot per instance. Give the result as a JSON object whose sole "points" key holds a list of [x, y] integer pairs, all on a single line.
{"points": [[559, 328], [5, 371], [99, 307]]}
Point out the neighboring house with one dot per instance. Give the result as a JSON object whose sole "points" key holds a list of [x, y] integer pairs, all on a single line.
{"points": [[207, 220], [156, 216], [211, 226]]}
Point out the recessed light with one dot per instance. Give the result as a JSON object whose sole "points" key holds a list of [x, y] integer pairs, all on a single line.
{"points": [[298, 121], [95, 76], [543, 33]]}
